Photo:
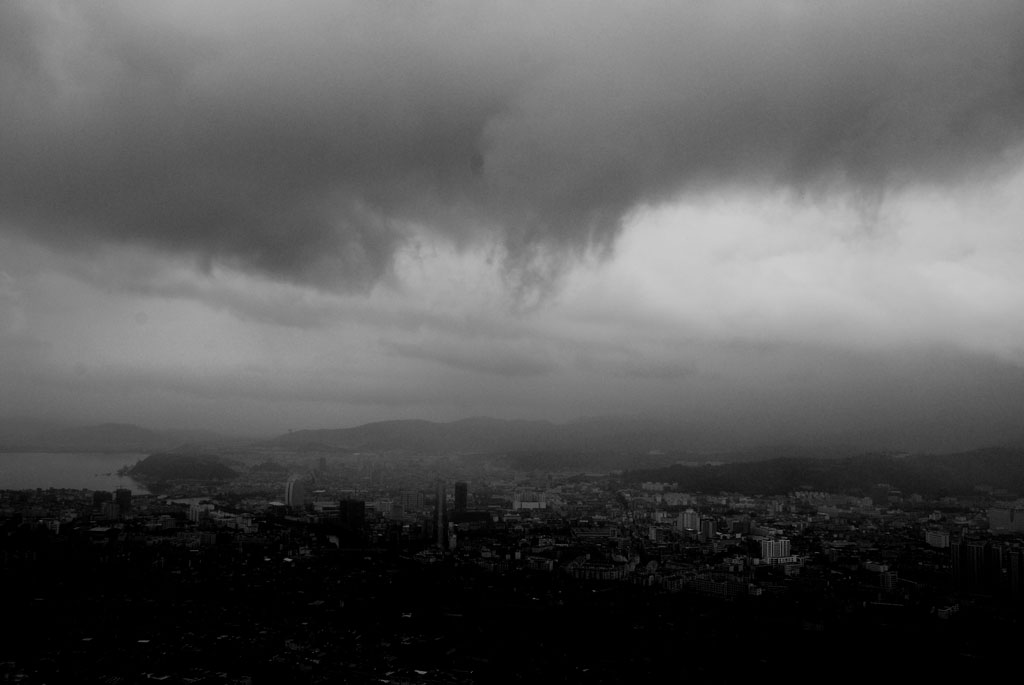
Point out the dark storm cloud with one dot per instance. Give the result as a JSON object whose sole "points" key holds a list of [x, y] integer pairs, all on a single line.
{"points": [[299, 141]]}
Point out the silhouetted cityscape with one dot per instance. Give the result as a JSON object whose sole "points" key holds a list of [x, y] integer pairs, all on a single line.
{"points": [[322, 566]]}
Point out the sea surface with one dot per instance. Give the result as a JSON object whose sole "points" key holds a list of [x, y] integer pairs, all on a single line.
{"points": [[74, 470]]}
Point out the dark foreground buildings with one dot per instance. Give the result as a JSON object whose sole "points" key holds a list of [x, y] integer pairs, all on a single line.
{"points": [[593, 581]]}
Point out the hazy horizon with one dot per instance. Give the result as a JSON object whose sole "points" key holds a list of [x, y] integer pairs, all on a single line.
{"points": [[629, 433], [782, 220]]}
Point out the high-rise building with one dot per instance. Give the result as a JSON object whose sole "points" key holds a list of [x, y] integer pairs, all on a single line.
{"points": [[775, 549], [1015, 571], [1006, 519], [295, 493], [441, 514], [707, 529], [957, 561], [739, 525], [352, 514], [983, 567], [101, 497], [689, 520], [123, 498], [529, 499], [461, 496], [977, 555], [936, 538]]}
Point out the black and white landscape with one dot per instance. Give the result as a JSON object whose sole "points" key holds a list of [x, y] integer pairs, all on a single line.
{"points": [[490, 299]]}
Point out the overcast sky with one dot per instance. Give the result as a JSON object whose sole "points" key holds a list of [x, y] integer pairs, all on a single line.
{"points": [[785, 218]]}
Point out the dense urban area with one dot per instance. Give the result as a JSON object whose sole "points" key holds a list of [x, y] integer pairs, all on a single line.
{"points": [[319, 568]]}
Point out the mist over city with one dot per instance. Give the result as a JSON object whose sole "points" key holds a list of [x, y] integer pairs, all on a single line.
{"points": [[703, 316]]}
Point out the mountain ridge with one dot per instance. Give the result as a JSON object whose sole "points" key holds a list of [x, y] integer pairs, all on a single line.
{"points": [[623, 435], [33, 435], [988, 468]]}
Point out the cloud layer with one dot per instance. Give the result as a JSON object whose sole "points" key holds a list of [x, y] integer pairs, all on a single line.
{"points": [[776, 219], [305, 143]]}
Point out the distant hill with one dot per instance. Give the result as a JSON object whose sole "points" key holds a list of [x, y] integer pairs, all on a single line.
{"points": [[113, 437], [27, 435], [997, 467], [176, 466], [269, 467], [417, 436], [492, 436], [16, 433]]}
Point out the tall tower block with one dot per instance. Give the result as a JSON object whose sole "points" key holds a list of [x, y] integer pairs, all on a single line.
{"points": [[441, 514], [461, 496]]}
